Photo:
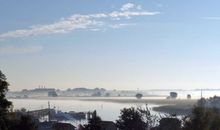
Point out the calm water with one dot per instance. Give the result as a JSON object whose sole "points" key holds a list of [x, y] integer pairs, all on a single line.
{"points": [[107, 110]]}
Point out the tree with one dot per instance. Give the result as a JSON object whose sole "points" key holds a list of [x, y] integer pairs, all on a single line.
{"points": [[150, 119], [21, 122], [173, 95], [12, 120], [131, 119], [203, 119], [94, 123], [4, 103], [139, 95]]}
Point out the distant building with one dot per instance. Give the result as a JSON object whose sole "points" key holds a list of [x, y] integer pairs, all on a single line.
{"points": [[78, 115], [46, 125], [105, 125], [55, 126], [170, 124], [108, 125], [63, 126], [42, 90]]}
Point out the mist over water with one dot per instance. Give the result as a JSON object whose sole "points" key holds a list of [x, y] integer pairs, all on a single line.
{"points": [[106, 110], [182, 94]]}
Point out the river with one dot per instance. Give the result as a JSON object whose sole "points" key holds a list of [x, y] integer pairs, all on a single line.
{"points": [[106, 110]]}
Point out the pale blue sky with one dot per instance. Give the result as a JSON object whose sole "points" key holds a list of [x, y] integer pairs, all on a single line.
{"points": [[145, 44]]}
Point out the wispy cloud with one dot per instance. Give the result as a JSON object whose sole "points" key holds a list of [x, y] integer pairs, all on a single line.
{"points": [[120, 25], [77, 21], [7, 50]]}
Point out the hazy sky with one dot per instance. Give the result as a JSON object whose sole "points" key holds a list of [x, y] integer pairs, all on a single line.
{"points": [[145, 44]]}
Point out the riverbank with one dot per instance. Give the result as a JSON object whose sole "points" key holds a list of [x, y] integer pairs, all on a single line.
{"points": [[174, 109]]}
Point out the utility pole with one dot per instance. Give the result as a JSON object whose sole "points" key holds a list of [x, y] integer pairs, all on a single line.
{"points": [[201, 93], [49, 118]]}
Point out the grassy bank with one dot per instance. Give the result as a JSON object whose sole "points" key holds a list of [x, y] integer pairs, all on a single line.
{"points": [[174, 109]]}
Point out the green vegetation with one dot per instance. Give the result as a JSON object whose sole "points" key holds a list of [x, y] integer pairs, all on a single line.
{"points": [[132, 119], [139, 95], [12, 120], [136, 119], [4, 103], [200, 118], [203, 119]]}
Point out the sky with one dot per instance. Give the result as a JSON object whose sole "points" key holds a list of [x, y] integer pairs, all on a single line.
{"points": [[127, 44]]}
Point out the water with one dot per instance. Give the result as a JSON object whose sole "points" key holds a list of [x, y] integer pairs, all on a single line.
{"points": [[106, 110]]}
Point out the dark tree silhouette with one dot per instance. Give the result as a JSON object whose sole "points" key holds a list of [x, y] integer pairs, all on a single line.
{"points": [[131, 119], [4, 103], [139, 95], [21, 122], [12, 120], [203, 119]]}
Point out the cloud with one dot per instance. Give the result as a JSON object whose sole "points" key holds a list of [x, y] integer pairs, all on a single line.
{"points": [[130, 6], [77, 21], [62, 26], [129, 14], [139, 7], [127, 6], [120, 25], [7, 50]]}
